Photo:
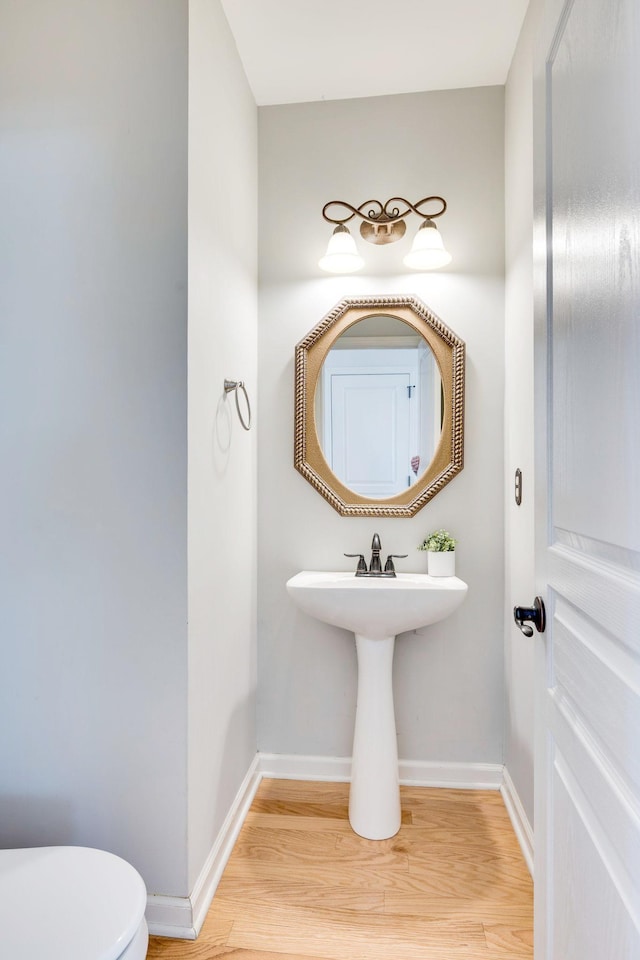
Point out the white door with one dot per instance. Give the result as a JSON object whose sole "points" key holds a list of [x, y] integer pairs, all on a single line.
{"points": [[370, 432], [587, 816]]}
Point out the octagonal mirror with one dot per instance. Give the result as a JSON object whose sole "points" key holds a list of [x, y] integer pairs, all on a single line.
{"points": [[379, 406]]}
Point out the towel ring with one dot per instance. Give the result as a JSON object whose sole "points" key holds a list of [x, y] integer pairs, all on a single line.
{"points": [[236, 386]]}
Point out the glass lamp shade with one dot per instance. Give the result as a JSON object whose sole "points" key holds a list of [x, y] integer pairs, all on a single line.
{"points": [[427, 252], [342, 254]]}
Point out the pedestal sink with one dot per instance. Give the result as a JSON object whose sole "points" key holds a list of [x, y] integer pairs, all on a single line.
{"points": [[376, 610]]}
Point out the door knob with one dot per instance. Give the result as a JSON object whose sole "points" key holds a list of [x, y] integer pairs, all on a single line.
{"points": [[536, 615]]}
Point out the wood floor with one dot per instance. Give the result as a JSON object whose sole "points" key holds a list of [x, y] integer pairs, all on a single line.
{"points": [[451, 885]]}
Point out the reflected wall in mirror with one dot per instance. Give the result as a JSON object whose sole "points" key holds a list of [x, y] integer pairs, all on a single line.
{"points": [[379, 406]]}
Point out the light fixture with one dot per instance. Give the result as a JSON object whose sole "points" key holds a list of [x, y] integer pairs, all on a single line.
{"points": [[382, 224], [342, 254], [428, 250]]}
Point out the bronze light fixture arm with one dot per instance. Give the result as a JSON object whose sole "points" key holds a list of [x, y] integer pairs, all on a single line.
{"points": [[375, 212]]}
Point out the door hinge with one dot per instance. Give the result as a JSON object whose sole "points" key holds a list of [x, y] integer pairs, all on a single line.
{"points": [[410, 390]]}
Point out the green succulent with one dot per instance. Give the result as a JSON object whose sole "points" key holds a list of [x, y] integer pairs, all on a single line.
{"points": [[440, 541]]}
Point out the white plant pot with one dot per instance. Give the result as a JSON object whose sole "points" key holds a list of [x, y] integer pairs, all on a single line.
{"points": [[441, 563]]}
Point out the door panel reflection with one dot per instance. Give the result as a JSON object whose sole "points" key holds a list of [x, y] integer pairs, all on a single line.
{"points": [[379, 407]]}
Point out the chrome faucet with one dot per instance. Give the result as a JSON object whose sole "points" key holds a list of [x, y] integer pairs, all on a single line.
{"points": [[375, 566]]}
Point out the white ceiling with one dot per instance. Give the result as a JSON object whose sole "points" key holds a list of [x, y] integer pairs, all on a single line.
{"points": [[300, 50]]}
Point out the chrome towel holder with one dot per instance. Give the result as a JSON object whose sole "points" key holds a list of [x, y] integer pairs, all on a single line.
{"points": [[234, 386]]}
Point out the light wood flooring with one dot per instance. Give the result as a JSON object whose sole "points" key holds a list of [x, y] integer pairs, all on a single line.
{"points": [[451, 885]]}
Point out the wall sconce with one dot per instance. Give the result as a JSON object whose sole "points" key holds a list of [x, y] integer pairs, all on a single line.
{"points": [[384, 223]]}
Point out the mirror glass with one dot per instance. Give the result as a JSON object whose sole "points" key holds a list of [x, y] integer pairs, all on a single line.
{"points": [[379, 406]]}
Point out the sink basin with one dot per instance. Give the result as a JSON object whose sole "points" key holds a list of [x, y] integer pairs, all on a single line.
{"points": [[376, 607]]}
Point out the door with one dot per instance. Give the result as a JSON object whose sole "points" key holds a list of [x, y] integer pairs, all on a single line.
{"points": [[368, 410], [370, 432], [587, 816]]}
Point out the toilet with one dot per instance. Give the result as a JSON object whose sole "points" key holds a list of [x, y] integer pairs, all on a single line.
{"points": [[70, 903]]}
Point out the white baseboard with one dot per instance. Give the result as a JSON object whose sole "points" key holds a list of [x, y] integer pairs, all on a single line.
{"points": [[182, 917], [282, 766], [518, 817], [210, 875], [470, 776], [170, 917], [463, 776]]}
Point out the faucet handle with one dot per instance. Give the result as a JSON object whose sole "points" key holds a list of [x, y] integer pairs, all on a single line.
{"points": [[389, 567], [362, 566]]}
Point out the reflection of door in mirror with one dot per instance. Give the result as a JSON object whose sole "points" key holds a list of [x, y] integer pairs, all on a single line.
{"points": [[378, 407]]}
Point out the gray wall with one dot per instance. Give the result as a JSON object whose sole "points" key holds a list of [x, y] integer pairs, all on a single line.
{"points": [[449, 682], [120, 727], [223, 343], [93, 299], [520, 587]]}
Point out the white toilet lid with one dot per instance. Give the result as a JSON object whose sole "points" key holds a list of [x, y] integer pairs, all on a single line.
{"points": [[67, 903]]}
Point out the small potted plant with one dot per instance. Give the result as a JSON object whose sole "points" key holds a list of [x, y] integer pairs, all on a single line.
{"points": [[441, 554]]}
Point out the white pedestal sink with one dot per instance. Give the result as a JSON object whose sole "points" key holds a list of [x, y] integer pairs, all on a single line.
{"points": [[376, 609]]}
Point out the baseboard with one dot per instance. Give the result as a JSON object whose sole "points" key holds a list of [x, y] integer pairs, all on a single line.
{"points": [[210, 875], [282, 766], [182, 917], [464, 776], [170, 917], [518, 817]]}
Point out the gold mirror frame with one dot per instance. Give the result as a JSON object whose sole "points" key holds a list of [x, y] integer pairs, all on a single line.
{"points": [[448, 460]]}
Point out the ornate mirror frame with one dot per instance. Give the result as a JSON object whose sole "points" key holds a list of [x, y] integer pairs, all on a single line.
{"points": [[448, 460]]}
